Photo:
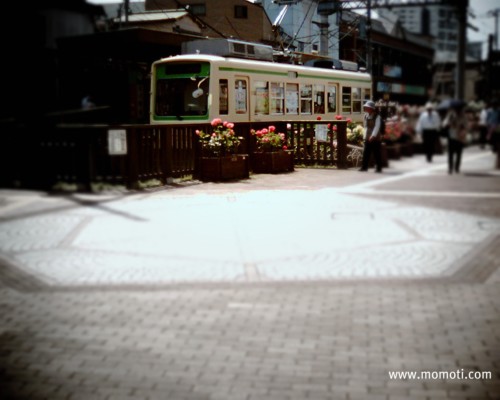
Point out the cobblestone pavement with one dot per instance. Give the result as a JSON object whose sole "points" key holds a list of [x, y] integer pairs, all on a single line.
{"points": [[314, 284]]}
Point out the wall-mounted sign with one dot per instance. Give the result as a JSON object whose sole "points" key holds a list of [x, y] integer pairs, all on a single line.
{"points": [[321, 133], [117, 142]]}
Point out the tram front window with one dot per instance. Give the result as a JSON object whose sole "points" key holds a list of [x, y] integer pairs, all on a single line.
{"points": [[181, 97]]}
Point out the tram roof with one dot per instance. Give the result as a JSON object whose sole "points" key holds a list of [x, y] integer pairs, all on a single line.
{"points": [[272, 66]]}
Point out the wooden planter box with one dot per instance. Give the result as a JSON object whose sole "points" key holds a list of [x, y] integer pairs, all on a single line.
{"points": [[224, 168], [406, 149], [273, 162], [393, 151]]}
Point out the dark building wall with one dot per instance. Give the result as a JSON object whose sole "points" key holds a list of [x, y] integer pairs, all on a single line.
{"points": [[238, 19]]}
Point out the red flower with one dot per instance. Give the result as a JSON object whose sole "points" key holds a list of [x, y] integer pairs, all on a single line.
{"points": [[318, 118]]}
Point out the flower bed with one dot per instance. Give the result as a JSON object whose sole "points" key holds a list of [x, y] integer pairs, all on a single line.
{"points": [[219, 159], [272, 154]]}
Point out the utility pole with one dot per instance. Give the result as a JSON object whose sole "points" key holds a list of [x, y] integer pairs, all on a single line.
{"points": [[495, 13], [325, 9], [461, 8], [127, 6], [368, 36]]}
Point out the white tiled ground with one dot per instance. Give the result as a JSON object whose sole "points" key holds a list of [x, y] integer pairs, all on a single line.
{"points": [[242, 236]]}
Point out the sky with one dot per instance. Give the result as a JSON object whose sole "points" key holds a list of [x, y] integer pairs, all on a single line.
{"points": [[484, 22], [480, 8]]}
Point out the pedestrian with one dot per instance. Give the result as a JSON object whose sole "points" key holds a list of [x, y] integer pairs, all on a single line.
{"points": [[456, 122], [429, 127], [483, 124], [372, 136], [493, 123]]}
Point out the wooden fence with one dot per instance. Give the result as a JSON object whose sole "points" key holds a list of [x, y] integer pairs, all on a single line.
{"points": [[38, 157], [323, 143]]}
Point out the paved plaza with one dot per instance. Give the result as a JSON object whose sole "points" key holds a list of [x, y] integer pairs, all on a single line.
{"points": [[316, 284]]}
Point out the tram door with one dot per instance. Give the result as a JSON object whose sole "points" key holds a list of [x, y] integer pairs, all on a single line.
{"points": [[241, 98]]}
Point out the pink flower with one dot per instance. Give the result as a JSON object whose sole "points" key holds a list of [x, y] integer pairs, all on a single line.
{"points": [[339, 117], [216, 121], [272, 128], [334, 128], [285, 147], [229, 125], [197, 132]]}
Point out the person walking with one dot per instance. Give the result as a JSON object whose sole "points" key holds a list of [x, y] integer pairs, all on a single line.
{"points": [[428, 127], [483, 124], [372, 137], [456, 122], [493, 122]]}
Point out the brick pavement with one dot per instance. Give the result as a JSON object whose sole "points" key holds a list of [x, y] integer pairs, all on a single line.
{"points": [[397, 272]]}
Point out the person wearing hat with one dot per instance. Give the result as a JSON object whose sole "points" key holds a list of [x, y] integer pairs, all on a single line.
{"points": [[373, 136], [428, 127], [457, 124]]}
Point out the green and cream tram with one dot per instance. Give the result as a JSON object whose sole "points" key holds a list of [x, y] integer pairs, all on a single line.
{"points": [[196, 88]]}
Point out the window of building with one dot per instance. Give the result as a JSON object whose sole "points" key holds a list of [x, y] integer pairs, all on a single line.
{"points": [[198, 9], [240, 12]]}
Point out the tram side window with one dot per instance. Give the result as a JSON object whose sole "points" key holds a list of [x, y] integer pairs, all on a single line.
{"points": [[356, 100], [277, 98], [292, 98], [332, 99], [240, 98], [261, 98], [366, 94], [319, 99], [346, 100], [223, 97], [306, 99]]}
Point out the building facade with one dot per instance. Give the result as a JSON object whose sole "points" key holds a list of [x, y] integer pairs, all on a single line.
{"points": [[237, 19]]}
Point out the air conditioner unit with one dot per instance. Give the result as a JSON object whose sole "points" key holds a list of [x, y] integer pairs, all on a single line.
{"points": [[229, 48], [349, 65]]}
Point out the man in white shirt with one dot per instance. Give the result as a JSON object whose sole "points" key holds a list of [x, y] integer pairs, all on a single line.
{"points": [[428, 127]]}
